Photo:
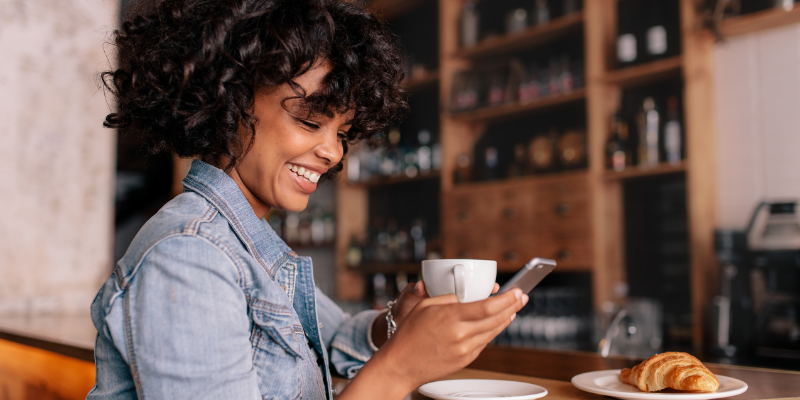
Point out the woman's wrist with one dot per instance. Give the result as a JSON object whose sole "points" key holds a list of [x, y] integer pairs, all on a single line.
{"points": [[381, 374]]}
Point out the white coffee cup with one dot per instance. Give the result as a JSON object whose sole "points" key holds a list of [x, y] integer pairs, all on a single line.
{"points": [[469, 280]]}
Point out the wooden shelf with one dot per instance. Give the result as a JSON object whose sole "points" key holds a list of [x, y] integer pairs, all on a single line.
{"points": [[415, 84], [389, 268], [533, 36], [393, 180], [645, 73], [758, 21], [637, 172], [517, 109], [391, 9], [540, 178]]}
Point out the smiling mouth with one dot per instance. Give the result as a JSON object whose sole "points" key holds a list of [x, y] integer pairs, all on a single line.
{"points": [[306, 174]]}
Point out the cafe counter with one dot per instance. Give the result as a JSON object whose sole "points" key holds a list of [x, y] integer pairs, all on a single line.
{"points": [[52, 358]]}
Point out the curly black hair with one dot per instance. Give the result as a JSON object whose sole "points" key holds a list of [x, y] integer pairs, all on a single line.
{"points": [[189, 70]]}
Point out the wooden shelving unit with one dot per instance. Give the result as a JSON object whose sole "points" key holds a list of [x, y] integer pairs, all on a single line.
{"points": [[638, 172], [516, 109], [767, 19], [645, 73], [393, 180], [390, 9], [427, 79], [531, 37], [599, 193]]}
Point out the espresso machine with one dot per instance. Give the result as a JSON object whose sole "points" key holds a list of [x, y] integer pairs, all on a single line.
{"points": [[773, 239], [757, 314]]}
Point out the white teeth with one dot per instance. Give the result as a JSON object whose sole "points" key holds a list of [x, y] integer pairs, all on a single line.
{"points": [[308, 174]]}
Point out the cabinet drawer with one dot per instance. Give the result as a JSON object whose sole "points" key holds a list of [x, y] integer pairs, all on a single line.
{"points": [[571, 248], [488, 204], [510, 249], [562, 202]]}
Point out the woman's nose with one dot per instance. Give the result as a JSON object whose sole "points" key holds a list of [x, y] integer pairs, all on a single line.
{"points": [[331, 149]]}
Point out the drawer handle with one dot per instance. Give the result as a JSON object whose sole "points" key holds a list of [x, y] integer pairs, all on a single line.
{"points": [[511, 256], [463, 215], [563, 209], [509, 213], [564, 255]]}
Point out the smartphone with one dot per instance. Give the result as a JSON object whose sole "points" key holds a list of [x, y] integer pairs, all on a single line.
{"points": [[529, 275]]}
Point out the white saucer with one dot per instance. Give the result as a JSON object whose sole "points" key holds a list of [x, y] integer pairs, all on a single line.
{"points": [[607, 383], [482, 389]]}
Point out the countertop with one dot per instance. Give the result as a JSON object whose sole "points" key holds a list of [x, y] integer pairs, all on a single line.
{"points": [[70, 335], [74, 336]]}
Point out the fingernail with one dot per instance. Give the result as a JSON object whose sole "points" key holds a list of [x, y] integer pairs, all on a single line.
{"points": [[524, 299], [518, 293], [513, 316]]}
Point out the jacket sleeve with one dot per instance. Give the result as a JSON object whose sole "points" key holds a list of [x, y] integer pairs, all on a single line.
{"points": [[348, 339], [187, 331]]}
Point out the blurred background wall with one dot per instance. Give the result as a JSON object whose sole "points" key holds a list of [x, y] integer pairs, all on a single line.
{"points": [[56, 159], [757, 84]]}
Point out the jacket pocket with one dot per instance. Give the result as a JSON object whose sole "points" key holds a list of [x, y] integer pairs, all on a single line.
{"points": [[277, 323], [277, 355]]}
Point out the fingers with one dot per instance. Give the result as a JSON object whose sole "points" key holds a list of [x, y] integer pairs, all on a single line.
{"points": [[494, 305], [419, 289], [492, 325], [495, 288]]}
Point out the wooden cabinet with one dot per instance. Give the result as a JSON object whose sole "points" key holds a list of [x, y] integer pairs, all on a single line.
{"points": [[514, 221], [30, 373], [575, 217]]}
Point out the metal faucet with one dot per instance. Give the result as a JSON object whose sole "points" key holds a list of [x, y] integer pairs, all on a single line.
{"points": [[622, 319]]}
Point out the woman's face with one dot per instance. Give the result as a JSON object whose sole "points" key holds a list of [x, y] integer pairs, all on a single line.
{"points": [[291, 149]]}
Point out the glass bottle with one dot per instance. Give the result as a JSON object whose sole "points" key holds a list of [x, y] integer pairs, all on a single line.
{"points": [[673, 135], [470, 23], [648, 121], [627, 46], [517, 168], [656, 32], [617, 152]]}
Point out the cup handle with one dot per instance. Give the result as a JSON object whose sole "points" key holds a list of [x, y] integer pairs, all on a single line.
{"points": [[460, 277]]}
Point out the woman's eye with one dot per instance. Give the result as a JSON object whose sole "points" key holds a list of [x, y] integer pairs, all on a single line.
{"points": [[342, 135], [309, 124]]}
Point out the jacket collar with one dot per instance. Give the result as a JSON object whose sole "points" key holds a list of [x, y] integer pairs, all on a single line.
{"points": [[223, 193]]}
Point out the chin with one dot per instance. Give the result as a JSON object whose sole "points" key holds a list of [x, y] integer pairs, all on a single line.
{"points": [[295, 205]]}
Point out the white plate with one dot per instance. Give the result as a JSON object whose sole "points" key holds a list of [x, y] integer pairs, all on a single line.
{"points": [[482, 389], [607, 383]]}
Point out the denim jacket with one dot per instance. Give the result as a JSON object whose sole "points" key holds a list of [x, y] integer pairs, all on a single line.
{"points": [[209, 303]]}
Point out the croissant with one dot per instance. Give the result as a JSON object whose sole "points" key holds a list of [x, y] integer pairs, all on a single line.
{"points": [[674, 370]]}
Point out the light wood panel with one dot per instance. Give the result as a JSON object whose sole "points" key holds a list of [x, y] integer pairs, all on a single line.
{"points": [[31, 373], [602, 100], [352, 209], [701, 155]]}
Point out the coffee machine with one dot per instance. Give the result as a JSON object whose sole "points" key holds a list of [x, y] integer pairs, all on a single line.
{"points": [[773, 239], [757, 313]]}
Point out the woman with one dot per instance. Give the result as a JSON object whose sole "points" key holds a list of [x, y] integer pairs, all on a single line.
{"points": [[208, 302]]}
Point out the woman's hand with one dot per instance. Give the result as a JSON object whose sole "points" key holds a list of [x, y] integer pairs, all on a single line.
{"points": [[411, 295], [437, 336]]}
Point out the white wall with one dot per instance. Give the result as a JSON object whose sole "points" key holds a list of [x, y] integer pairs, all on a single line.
{"points": [[56, 159], [757, 83]]}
